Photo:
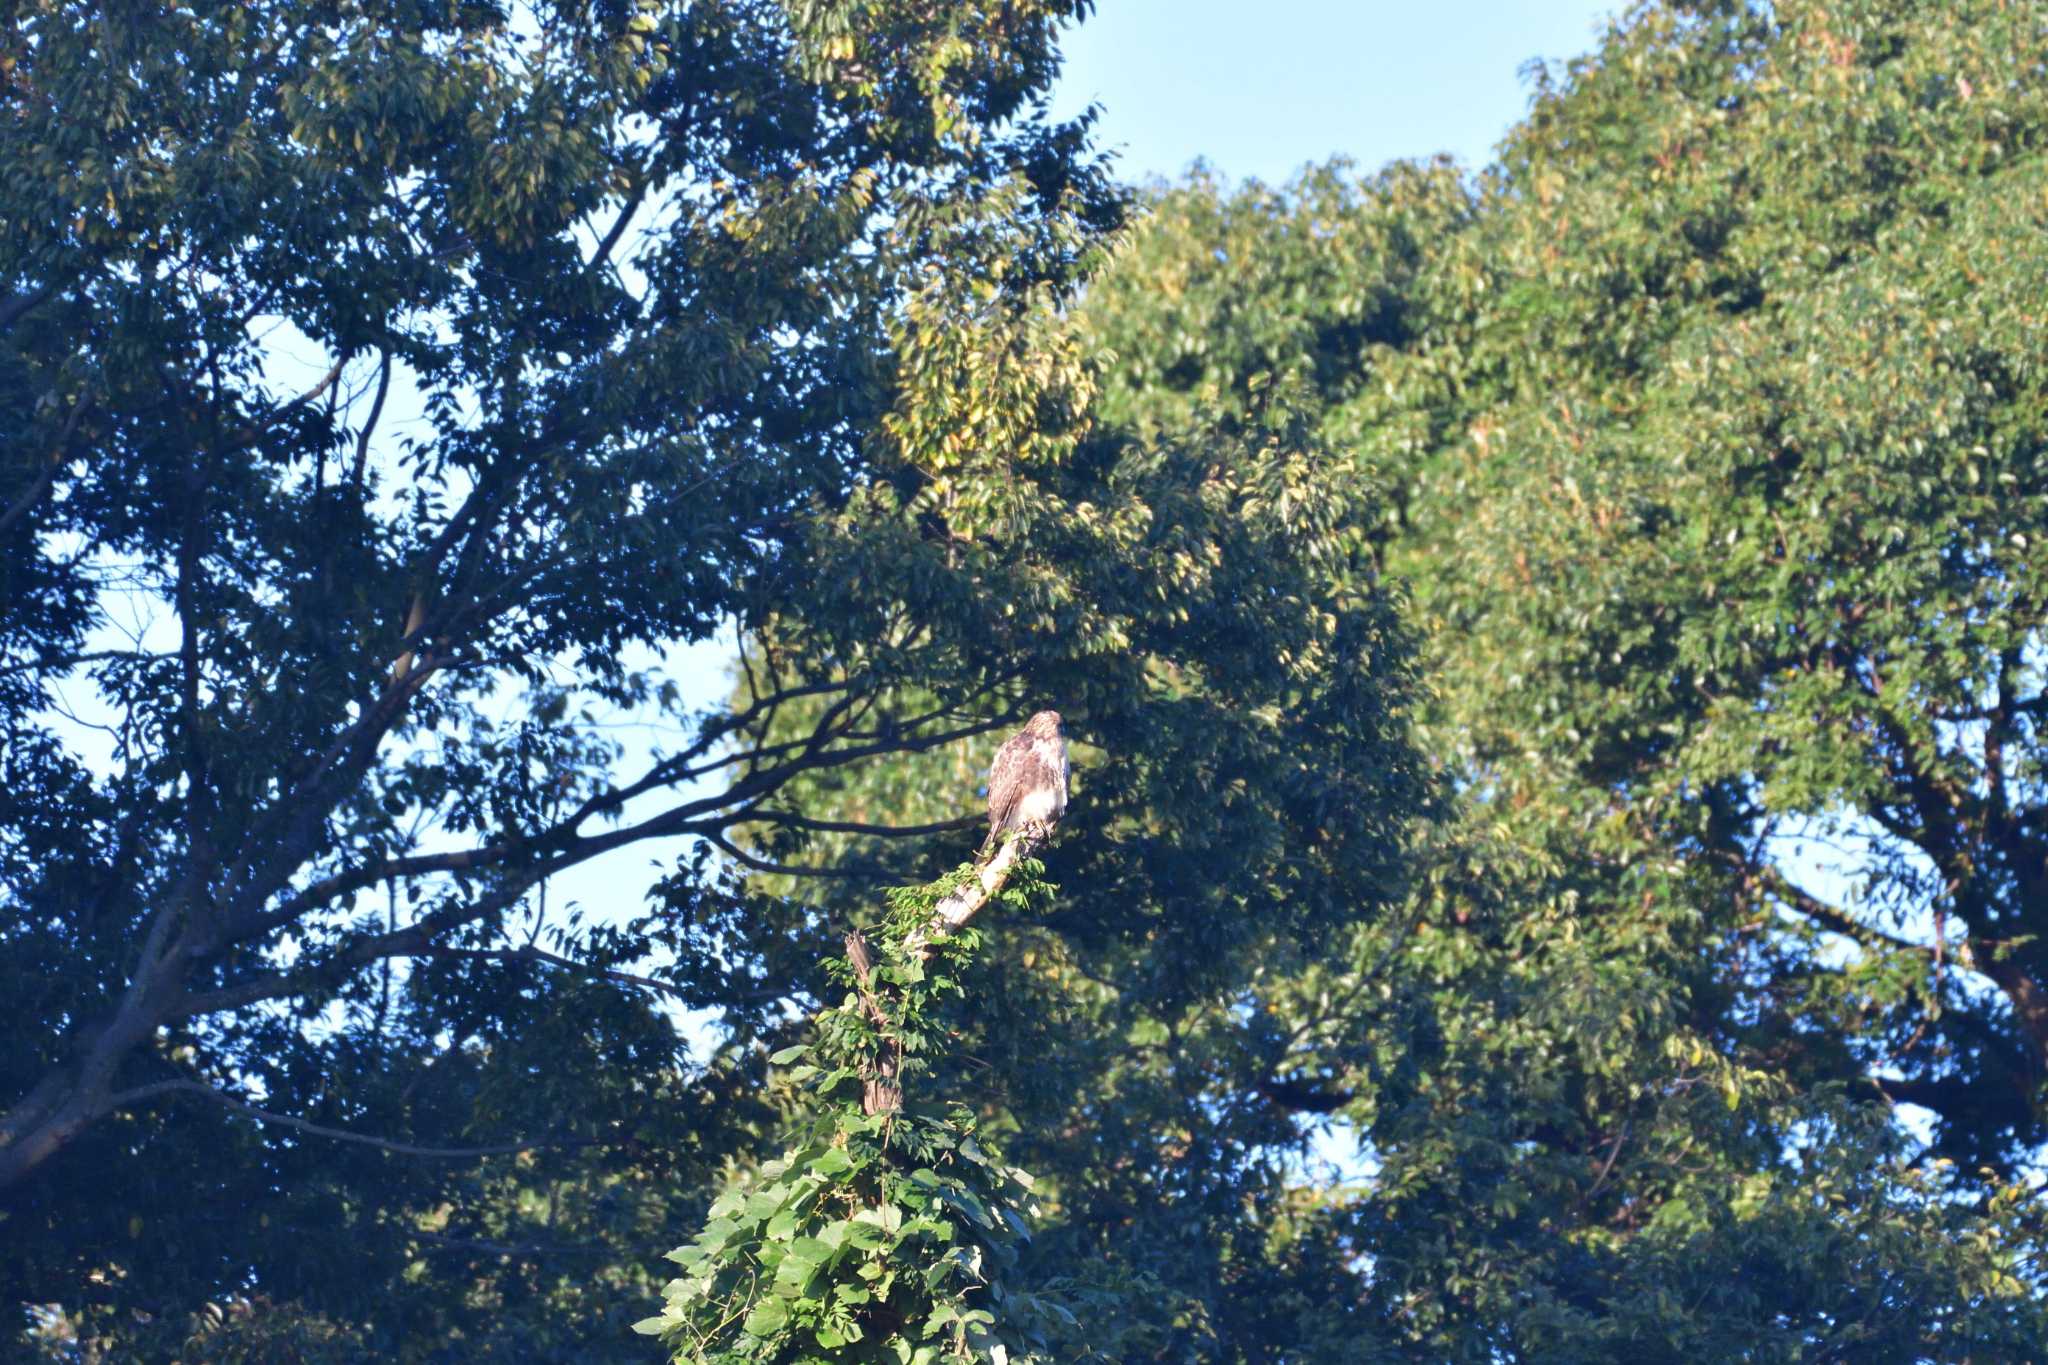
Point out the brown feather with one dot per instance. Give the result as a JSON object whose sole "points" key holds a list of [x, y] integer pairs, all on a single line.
{"points": [[1025, 767]]}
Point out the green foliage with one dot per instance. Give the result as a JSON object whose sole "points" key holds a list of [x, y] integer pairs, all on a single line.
{"points": [[427, 373], [884, 1236], [1704, 432], [1710, 424], [1236, 684]]}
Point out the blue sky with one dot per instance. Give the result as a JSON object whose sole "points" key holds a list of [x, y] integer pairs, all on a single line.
{"points": [[1258, 91]]}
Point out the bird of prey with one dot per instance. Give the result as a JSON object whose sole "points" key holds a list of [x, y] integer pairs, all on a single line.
{"points": [[1027, 783]]}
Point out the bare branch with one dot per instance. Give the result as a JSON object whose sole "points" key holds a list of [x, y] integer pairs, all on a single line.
{"points": [[950, 915], [525, 1250], [129, 1098], [249, 435], [743, 798], [675, 767], [17, 306], [681, 820], [1606, 1166], [33, 494], [328, 889], [271, 851], [530, 953], [326, 383], [618, 229], [407, 942], [65, 662], [784, 818], [1834, 919], [370, 425], [745, 859], [706, 817]]}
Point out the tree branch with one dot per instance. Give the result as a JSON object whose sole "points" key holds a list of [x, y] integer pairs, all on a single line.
{"points": [[407, 942], [249, 435], [1832, 918], [530, 953], [65, 662], [746, 859], [143, 1093], [676, 768], [882, 1087], [784, 818], [618, 229], [271, 851], [705, 816], [34, 492], [533, 1251], [370, 425], [17, 306], [951, 914]]}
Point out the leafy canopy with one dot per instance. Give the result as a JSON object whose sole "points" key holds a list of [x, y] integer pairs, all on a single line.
{"points": [[888, 1232], [427, 374], [398, 383], [1709, 420]]}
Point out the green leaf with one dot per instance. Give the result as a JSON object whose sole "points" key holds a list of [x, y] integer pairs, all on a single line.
{"points": [[766, 1318], [812, 1250]]}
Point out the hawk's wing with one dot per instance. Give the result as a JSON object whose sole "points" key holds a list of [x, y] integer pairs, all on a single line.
{"points": [[1009, 778]]}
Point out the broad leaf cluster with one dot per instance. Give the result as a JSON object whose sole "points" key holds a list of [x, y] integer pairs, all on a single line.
{"points": [[1709, 420], [887, 1235]]}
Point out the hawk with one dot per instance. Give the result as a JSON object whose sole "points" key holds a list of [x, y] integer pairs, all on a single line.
{"points": [[1027, 783]]}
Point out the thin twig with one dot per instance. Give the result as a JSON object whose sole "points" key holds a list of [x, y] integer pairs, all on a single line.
{"points": [[531, 953], [858, 827], [128, 1098]]}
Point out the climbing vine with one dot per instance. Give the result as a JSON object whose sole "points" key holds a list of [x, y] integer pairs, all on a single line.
{"points": [[887, 1231]]}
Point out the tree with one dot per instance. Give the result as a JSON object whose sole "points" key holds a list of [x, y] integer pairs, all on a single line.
{"points": [[1842, 552], [641, 263], [1240, 810], [1709, 423], [888, 1232], [733, 314]]}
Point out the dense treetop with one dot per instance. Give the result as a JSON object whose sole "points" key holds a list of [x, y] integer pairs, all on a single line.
{"points": [[1553, 654], [718, 315], [1711, 423]]}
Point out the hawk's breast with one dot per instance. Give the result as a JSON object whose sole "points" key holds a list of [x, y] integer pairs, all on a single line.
{"points": [[1047, 800]]}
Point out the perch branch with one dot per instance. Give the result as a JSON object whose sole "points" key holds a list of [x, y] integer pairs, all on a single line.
{"points": [[882, 1091], [950, 915]]}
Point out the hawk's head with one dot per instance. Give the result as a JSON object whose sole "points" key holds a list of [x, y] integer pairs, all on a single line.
{"points": [[1044, 725]]}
